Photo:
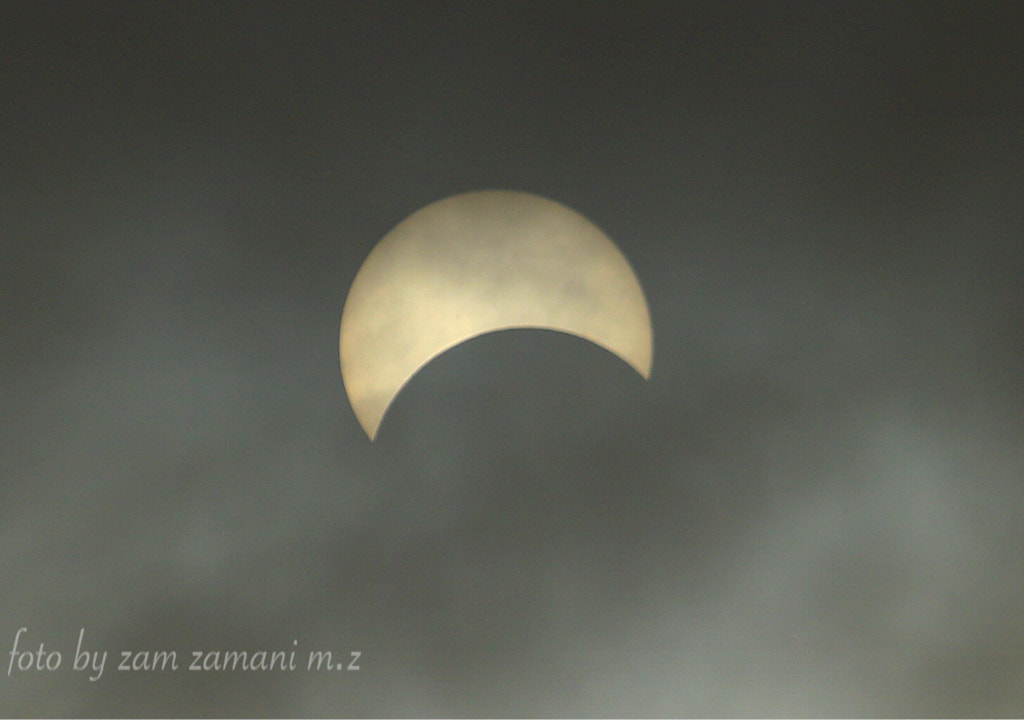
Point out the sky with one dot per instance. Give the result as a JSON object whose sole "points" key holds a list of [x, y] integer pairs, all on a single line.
{"points": [[812, 507]]}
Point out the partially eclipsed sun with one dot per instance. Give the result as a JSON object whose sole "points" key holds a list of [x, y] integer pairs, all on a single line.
{"points": [[476, 263]]}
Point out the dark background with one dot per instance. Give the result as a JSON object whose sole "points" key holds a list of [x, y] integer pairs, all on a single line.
{"points": [[813, 506]]}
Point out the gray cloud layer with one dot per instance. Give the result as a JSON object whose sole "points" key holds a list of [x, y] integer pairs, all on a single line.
{"points": [[813, 506]]}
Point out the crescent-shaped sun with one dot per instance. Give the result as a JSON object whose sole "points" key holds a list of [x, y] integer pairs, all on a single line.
{"points": [[477, 263]]}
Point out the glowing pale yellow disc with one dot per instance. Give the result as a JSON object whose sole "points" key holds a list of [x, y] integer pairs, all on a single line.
{"points": [[477, 263]]}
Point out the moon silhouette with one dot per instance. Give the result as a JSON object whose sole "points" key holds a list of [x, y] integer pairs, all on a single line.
{"points": [[477, 263]]}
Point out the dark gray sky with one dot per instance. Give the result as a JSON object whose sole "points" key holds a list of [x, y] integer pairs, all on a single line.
{"points": [[812, 508]]}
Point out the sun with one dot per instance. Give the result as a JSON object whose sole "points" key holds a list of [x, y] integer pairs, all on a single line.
{"points": [[476, 263]]}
